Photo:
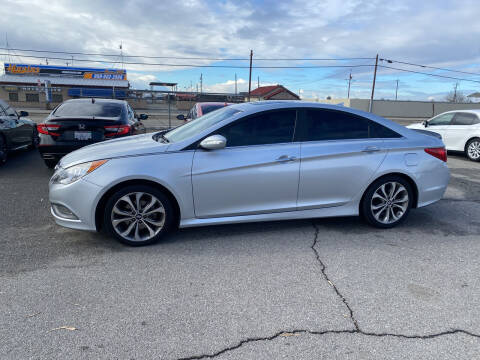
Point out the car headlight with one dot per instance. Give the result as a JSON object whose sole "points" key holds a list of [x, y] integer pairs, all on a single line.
{"points": [[76, 172]]}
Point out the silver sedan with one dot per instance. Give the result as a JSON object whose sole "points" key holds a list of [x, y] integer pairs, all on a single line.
{"points": [[249, 162]]}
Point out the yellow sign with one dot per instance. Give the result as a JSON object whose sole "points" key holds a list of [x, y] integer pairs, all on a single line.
{"points": [[23, 69]]}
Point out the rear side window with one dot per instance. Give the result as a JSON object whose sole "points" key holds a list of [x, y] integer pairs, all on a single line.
{"points": [[321, 124], [87, 108], [209, 108], [465, 119], [272, 127]]}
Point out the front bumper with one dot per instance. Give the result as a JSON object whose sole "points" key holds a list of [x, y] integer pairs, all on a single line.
{"points": [[81, 198]]}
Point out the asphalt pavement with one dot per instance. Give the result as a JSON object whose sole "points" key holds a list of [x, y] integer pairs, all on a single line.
{"points": [[313, 289]]}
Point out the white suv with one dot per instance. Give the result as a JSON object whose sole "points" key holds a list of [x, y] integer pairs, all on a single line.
{"points": [[460, 131]]}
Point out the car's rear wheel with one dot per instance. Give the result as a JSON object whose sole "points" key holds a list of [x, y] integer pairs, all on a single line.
{"points": [[473, 149], [35, 139], [387, 201], [139, 215], [3, 151], [50, 163]]}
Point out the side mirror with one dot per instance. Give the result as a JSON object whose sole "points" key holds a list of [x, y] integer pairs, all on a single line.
{"points": [[143, 117], [23, 113], [181, 117], [213, 142], [425, 123]]}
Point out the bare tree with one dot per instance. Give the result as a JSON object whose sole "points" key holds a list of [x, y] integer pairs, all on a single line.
{"points": [[457, 97]]}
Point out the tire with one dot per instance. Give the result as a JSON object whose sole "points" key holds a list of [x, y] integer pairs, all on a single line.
{"points": [[3, 151], [123, 220], [472, 149], [383, 207], [35, 140], [50, 163]]}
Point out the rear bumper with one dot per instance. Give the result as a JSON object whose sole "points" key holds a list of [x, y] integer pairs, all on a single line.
{"points": [[52, 149]]}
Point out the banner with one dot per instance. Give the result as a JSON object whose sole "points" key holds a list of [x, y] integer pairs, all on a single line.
{"points": [[67, 71]]}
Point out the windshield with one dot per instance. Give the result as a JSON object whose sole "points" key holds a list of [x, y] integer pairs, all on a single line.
{"points": [[87, 108], [199, 124]]}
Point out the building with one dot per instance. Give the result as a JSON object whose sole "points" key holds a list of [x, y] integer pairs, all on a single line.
{"points": [[273, 92], [28, 85]]}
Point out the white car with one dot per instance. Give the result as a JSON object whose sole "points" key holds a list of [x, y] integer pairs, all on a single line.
{"points": [[460, 131]]}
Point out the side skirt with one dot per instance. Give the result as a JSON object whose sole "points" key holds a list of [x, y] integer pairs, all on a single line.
{"points": [[350, 209]]}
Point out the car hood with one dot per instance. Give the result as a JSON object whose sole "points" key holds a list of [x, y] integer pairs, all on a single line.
{"points": [[126, 146], [417, 126]]}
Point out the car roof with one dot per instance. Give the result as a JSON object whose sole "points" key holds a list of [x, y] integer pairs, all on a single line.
{"points": [[100, 100], [214, 103], [472, 111]]}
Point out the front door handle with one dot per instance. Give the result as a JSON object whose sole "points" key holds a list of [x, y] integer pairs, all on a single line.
{"points": [[285, 158], [370, 149]]}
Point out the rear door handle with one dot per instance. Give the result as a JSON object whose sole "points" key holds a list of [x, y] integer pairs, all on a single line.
{"points": [[285, 158], [370, 149]]}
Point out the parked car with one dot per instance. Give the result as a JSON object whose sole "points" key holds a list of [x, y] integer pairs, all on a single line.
{"points": [[251, 162], [16, 131], [460, 131], [79, 122], [200, 109]]}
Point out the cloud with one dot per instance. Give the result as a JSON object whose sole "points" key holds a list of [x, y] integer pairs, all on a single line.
{"points": [[427, 32]]}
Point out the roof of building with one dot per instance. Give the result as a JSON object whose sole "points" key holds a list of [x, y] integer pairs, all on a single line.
{"points": [[59, 80], [268, 91], [474, 95]]}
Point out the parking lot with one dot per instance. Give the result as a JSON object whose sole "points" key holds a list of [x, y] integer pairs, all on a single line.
{"points": [[297, 289]]}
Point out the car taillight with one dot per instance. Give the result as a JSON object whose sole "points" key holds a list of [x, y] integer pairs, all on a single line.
{"points": [[439, 153], [114, 130], [48, 129]]}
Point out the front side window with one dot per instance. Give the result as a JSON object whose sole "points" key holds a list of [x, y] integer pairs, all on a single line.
{"points": [[324, 124], [200, 124], [271, 127], [11, 111], [444, 119], [465, 119]]}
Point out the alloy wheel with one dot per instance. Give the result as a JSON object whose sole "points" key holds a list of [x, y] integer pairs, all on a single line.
{"points": [[474, 150], [138, 216], [389, 202]]}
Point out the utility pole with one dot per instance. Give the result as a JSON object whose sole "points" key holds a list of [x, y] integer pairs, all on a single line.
{"points": [[258, 82], [201, 83], [235, 83], [455, 93], [373, 85], [396, 91], [250, 76], [349, 83]]}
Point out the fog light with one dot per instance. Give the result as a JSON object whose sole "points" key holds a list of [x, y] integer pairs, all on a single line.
{"points": [[63, 212]]}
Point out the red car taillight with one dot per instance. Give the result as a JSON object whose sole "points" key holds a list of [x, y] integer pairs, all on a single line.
{"points": [[439, 153], [48, 129], [114, 130]]}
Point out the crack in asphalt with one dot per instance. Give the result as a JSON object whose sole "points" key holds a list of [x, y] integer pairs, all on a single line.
{"points": [[289, 333], [356, 331], [323, 269]]}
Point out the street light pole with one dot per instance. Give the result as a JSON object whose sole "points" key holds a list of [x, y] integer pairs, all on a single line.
{"points": [[396, 91]]}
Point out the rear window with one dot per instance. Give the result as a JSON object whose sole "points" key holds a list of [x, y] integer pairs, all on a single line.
{"points": [[85, 108], [209, 108]]}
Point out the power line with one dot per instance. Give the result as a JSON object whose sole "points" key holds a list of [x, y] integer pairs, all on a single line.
{"points": [[200, 66], [429, 67], [428, 74], [186, 58]]}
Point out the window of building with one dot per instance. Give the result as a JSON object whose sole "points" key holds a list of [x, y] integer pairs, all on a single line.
{"points": [[32, 97], [13, 96], [57, 98]]}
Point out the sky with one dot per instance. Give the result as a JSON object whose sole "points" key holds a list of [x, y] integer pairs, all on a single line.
{"points": [[439, 33]]}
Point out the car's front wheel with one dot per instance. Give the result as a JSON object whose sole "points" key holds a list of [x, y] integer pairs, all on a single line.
{"points": [[473, 149], [138, 215], [387, 201], [3, 151]]}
